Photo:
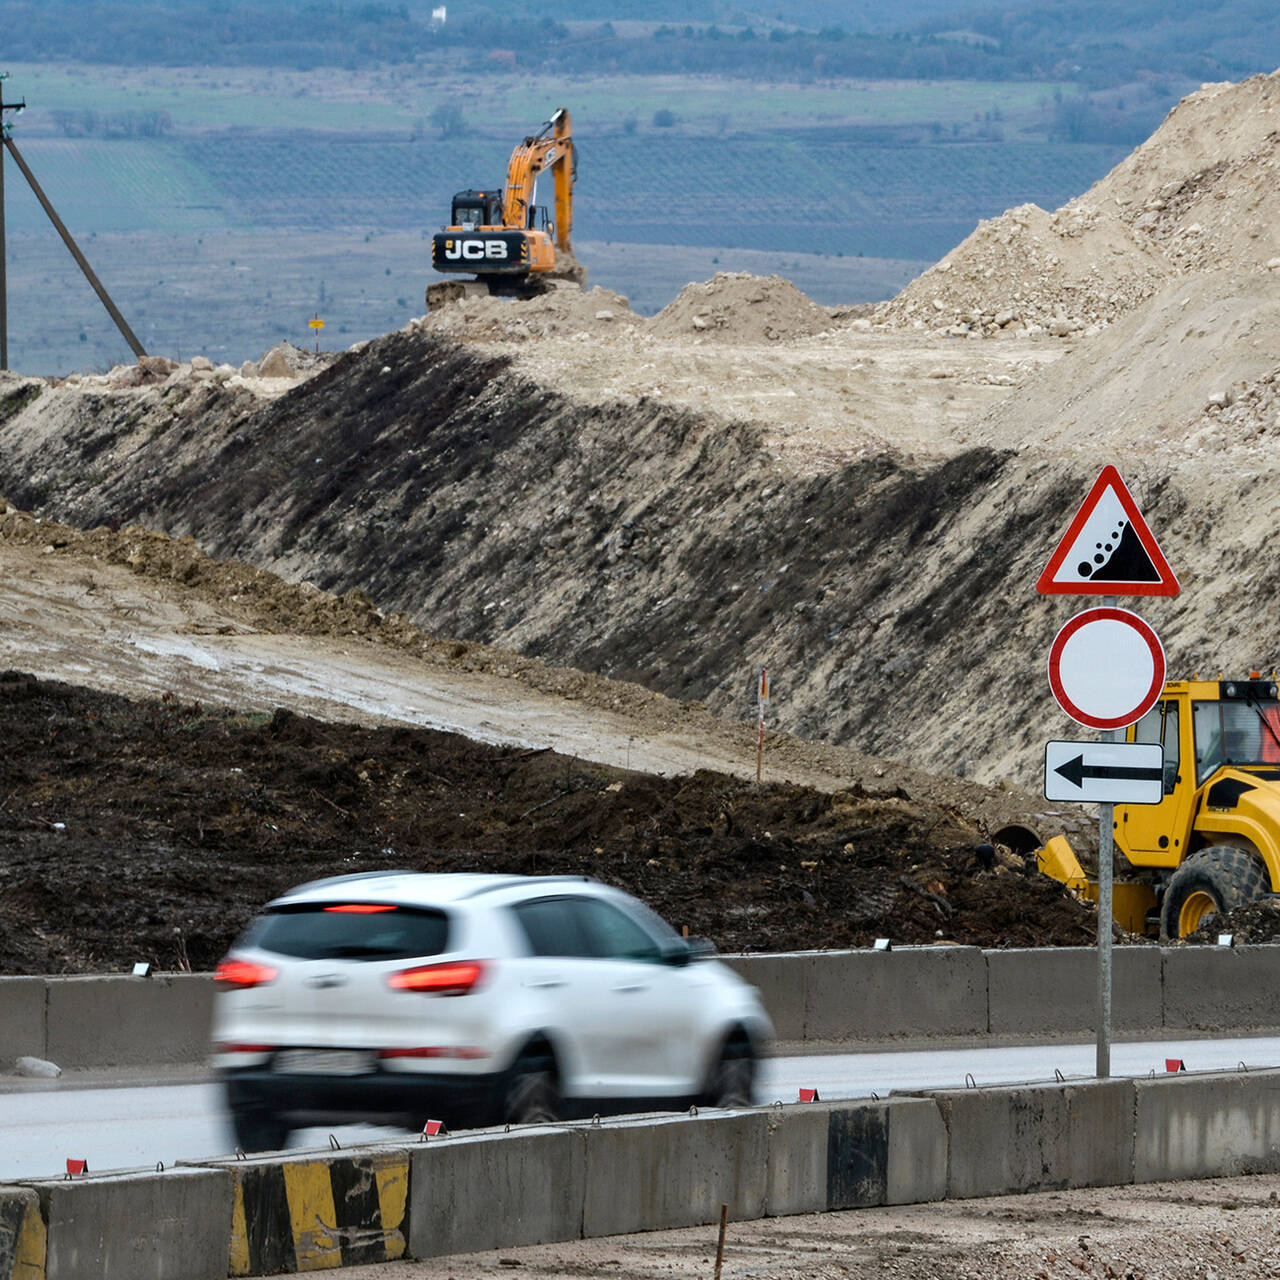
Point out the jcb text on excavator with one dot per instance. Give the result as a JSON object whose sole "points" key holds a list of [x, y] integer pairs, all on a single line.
{"points": [[1213, 841]]}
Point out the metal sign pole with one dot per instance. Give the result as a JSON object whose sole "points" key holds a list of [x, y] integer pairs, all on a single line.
{"points": [[1106, 851], [1106, 856]]}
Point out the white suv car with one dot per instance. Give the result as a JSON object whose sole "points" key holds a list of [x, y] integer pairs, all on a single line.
{"points": [[394, 997]]}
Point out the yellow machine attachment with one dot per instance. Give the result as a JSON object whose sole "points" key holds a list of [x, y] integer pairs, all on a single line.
{"points": [[1131, 901]]}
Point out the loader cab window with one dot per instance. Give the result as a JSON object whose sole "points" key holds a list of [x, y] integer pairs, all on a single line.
{"points": [[1240, 733], [468, 216], [1160, 724]]}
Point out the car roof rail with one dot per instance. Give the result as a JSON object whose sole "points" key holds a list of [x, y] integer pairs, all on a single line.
{"points": [[354, 875], [509, 882]]}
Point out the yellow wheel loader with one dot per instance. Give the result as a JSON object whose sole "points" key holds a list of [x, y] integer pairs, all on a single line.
{"points": [[1213, 841]]}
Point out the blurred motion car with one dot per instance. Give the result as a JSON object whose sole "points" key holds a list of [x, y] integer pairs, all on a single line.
{"points": [[394, 997]]}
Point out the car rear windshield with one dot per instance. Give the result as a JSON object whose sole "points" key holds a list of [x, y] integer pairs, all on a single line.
{"points": [[349, 931]]}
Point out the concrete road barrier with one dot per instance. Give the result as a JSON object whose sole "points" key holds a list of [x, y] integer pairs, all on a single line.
{"points": [[1221, 988], [170, 1225], [1037, 1138], [909, 994], [650, 1172], [22, 1019], [475, 1192], [1190, 1126], [1053, 991], [891, 1152], [306, 1211], [309, 1211], [23, 1239], [904, 993], [783, 982], [125, 1021]]}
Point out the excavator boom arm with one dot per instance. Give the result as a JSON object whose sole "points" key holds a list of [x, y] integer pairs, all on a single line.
{"points": [[551, 149]]}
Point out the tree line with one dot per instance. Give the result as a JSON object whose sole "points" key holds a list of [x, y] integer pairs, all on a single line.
{"points": [[1091, 43]]}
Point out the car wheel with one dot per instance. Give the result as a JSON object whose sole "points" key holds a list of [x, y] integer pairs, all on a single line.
{"points": [[732, 1081], [532, 1093], [259, 1131]]}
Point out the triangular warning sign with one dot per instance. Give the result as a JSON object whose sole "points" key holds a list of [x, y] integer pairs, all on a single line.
{"points": [[1108, 549]]}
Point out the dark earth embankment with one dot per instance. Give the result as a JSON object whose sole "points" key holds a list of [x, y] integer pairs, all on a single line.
{"points": [[893, 602], [151, 830]]}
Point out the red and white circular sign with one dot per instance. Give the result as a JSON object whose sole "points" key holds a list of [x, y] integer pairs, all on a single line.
{"points": [[1106, 668]]}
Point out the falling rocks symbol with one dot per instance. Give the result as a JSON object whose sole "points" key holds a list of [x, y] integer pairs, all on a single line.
{"points": [[1123, 559]]}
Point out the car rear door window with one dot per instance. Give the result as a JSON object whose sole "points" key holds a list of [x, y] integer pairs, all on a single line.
{"points": [[552, 927], [350, 931], [613, 934]]}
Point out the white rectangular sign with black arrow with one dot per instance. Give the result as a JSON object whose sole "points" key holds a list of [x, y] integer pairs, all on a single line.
{"points": [[1104, 772]]}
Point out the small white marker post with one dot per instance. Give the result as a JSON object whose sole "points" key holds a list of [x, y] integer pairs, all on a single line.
{"points": [[762, 701]]}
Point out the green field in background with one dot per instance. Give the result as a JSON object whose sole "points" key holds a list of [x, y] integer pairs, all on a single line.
{"points": [[507, 106], [99, 187]]}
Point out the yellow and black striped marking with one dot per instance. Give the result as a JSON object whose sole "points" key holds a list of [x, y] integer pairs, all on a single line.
{"points": [[312, 1214], [23, 1239]]}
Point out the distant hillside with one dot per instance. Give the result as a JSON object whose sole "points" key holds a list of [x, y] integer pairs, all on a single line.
{"points": [[1097, 43]]}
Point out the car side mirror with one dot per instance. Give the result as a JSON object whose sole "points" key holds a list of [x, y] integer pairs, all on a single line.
{"points": [[681, 951]]}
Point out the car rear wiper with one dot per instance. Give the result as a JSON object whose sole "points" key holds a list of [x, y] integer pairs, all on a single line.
{"points": [[356, 951]]}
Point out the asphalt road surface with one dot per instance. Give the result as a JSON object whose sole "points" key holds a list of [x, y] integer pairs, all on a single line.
{"points": [[43, 1124]]}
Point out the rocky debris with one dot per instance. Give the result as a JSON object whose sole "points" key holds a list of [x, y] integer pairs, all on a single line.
{"points": [[1029, 273], [284, 360], [734, 306], [1253, 923], [1203, 187], [564, 310], [1187, 375], [1245, 414]]}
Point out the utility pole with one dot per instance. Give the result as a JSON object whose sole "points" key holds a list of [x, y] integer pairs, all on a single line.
{"points": [[5, 126], [12, 148]]}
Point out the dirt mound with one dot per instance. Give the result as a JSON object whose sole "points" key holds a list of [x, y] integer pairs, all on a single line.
{"points": [[1030, 272], [734, 306], [1203, 187], [1188, 375], [565, 309], [1199, 195], [196, 816]]}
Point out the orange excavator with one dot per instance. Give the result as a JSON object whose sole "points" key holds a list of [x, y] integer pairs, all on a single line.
{"points": [[504, 238]]}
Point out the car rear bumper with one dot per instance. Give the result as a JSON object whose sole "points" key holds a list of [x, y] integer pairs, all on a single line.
{"points": [[381, 1097]]}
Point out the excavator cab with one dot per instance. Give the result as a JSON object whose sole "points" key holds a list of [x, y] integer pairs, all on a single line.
{"points": [[474, 209]]}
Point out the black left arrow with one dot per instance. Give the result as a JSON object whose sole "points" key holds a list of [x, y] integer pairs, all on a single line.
{"points": [[1076, 771]]}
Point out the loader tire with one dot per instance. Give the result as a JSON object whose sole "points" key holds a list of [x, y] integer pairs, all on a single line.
{"points": [[1208, 881]]}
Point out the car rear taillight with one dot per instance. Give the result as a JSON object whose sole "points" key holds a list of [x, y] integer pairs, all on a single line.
{"points": [[453, 978], [467, 1052], [241, 974], [361, 908], [227, 1047]]}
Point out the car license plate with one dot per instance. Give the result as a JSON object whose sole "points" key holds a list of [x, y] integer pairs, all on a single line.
{"points": [[325, 1062]]}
